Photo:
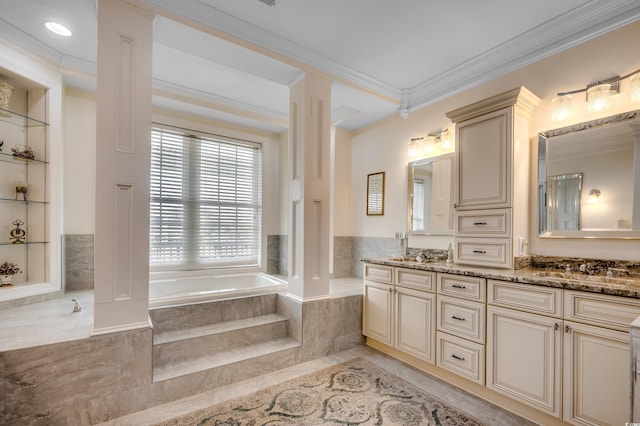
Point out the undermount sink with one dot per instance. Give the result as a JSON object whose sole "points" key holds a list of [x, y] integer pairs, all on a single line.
{"points": [[582, 277]]}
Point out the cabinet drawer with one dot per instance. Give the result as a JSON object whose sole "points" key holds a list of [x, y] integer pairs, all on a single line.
{"points": [[599, 309], [378, 273], [419, 280], [525, 297], [472, 288], [461, 318], [484, 252], [487, 223], [460, 357]]}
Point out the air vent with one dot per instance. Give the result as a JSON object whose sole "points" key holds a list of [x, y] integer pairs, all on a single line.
{"points": [[270, 3]]}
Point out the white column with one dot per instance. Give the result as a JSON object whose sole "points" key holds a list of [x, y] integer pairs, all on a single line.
{"points": [[309, 187], [125, 35]]}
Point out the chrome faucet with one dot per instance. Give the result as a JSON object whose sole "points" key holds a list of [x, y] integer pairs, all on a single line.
{"points": [[585, 268]]}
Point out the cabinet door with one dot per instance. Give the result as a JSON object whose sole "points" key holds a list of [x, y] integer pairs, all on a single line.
{"points": [[524, 357], [484, 161], [597, 371], [377, 312], [415, 323]]}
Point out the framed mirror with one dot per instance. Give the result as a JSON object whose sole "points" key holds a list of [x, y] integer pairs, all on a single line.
{"points": [[375, 194], [589, 179], [430, 196]]}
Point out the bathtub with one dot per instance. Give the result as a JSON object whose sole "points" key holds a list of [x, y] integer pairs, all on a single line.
{"points": [[185, 291]]}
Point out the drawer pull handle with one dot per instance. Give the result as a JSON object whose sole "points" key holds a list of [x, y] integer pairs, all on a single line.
{"points": [[459, 358], [458, 286], [479, 223], [457, 318], [480, 251]]}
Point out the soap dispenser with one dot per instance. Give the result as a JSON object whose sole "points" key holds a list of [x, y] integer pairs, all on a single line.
{"points": [[450, 254]]}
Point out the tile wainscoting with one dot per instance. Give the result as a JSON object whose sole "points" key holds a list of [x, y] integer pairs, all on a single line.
{"points": [[78, 262]]}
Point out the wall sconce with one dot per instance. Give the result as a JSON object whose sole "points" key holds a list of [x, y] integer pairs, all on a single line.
{"points": [[594, 194], [431, 145], [597, 95]]}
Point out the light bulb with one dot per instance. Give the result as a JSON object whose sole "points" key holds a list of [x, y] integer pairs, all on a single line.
{"points": [[598, 97], [635, 87], [561, 107]]}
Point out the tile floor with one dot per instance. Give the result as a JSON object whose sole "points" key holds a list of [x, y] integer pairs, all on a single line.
{"points": [[472, 405]]}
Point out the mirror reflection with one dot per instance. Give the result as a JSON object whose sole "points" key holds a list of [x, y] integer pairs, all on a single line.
{"points": [[586, 176], [430, 196]]}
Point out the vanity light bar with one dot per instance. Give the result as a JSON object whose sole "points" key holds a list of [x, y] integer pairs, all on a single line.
{"points": [[597, 95]]}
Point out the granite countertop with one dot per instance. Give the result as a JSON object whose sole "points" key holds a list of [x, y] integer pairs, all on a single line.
{"points": [[615, 286]]}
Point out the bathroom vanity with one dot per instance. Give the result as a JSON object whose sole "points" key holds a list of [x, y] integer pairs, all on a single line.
{"points": [[550, 345]]}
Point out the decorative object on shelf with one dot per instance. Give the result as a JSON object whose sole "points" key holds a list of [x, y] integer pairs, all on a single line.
{"points": [[22, 189], [6, 90], [23, 151], [8, 270], [77, 307], [18, 235]]}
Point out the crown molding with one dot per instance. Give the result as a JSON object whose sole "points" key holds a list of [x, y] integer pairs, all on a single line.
{"points": [[208, 100], [570, 29], [565, 31], [279, 48], [20, 38]]}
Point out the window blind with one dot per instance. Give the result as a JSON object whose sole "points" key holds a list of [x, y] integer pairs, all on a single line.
{"points": [[418, 205], [206, 201]]}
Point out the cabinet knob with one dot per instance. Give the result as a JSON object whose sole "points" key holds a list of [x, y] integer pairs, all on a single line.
{"points": [[567, 329], [459, 358], [556, 327]]}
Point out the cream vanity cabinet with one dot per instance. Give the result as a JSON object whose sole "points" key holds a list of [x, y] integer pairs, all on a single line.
{"points": [[399, 309], [492, 178], [524, 343], [461, 325], [563, 352]]}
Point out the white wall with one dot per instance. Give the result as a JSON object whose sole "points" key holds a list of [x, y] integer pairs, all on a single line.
{"points": [[79, 161], [383, 145]]}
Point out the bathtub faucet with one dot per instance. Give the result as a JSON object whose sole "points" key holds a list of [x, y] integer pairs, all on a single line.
{"points": [[77, 307]]}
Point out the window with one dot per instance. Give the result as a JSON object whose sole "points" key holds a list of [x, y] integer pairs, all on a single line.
{"points": [[418, 205], [206, 201]]}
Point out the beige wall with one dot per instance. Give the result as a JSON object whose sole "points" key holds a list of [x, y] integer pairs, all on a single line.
{"points": [[79, 162], [383, 145]]}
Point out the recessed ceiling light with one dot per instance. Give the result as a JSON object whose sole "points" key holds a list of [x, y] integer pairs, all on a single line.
{"points": [[57, 28]]}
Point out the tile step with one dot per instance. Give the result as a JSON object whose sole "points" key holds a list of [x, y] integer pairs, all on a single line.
{"points": [[171, 336], [221, 359]]}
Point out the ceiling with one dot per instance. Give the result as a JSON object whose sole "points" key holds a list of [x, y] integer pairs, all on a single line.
{"points": [[384, 57]]}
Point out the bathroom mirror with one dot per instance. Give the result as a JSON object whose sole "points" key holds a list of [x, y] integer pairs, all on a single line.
{"points": [[589, 179], [430, 196]]}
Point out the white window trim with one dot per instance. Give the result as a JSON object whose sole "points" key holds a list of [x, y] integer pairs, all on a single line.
{"points": [[172, 122]]}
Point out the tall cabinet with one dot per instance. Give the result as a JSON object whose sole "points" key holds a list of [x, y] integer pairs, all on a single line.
{"points": [[492, 178]]}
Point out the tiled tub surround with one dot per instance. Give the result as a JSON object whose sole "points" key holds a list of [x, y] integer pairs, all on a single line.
{"points": [[54, 372], [78, 262]]}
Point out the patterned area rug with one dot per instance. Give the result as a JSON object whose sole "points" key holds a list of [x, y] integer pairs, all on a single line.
{"points": [[353, 393]]}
